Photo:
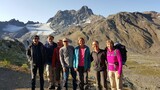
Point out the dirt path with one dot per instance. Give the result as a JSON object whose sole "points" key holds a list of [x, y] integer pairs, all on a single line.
{"points": [[11, 80], [15, 80], [142, 72]]}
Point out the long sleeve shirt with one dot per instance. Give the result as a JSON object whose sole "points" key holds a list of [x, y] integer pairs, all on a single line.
{"points": [[77, 59], [99, 59], [55, 59], [49, 50], [66, 55], [114, 60]]}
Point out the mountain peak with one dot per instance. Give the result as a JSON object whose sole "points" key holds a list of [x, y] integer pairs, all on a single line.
{"points": [[85, 9], [68, 17], [16, 22]]}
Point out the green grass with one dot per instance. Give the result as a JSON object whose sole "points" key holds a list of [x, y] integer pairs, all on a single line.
{"points": [[12, 52], [149, 71], [131, 63], [25, 66], [13, 57], [5, 63], [144, 68]]}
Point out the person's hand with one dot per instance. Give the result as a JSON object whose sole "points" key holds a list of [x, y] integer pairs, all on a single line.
{"points": [[76, 69], [118, 76], [29, 62], [88, 70], [64, 69], [54, 68]]}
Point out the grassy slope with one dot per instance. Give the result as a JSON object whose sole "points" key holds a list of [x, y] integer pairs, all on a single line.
{"points": [[12, 52], [143, 71]]}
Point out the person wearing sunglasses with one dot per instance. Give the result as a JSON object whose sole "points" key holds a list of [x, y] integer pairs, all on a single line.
{"points": [[66, 59]]}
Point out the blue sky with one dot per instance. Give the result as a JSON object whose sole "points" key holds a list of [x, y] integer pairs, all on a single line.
{"points": [[42, 10]]}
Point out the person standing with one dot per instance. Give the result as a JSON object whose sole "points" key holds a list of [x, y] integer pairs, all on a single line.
{"points": [[66, 59], [56, 63], [98, 56], [50, 46], [114, 60], [82, 63], [36, 56]]}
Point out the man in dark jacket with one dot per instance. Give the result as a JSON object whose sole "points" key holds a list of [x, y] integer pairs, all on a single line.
{"points": [[36, 56], [50, 46], [98, 56]]}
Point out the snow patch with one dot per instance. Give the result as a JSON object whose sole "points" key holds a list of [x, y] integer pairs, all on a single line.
{"points": [[88, 21], [40, 29], [12, 28]]}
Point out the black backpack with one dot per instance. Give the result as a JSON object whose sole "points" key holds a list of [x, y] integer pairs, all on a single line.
{"points": [[123, 52]]}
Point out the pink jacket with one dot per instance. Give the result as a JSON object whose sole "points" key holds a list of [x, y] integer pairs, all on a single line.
{"points": [[114, 56]]}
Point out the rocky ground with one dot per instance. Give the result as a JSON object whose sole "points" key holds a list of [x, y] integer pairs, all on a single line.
{"points": [[141, 73], [17, 80]]}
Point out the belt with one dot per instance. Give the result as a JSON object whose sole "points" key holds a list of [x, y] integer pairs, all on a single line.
{"points": [[114, 65], [111, 63]]}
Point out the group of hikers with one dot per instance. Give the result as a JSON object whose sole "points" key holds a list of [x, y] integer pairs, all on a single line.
{"points": [[61, 58]]}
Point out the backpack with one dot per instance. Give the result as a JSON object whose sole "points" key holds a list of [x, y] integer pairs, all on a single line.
{"points": [[123, 52]]}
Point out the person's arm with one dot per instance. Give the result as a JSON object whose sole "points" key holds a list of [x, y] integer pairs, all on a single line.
{"points": [[89, 59], [54, 58], [43, 53], [28, 53], [119, 57], [61, 56], [105, 51], [104, 58], [75, 60]]}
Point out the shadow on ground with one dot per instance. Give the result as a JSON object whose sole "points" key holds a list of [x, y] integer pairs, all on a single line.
{"points": [[16, 80]]}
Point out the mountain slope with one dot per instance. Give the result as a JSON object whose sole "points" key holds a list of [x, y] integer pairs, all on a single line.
{"points": [[12, 51], [138, 31]]}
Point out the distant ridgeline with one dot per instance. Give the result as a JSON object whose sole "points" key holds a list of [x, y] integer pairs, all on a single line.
{"points": [[138, 31]]}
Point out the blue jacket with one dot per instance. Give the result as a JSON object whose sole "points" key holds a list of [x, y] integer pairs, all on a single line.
{"points": [[87, 61], [49, 51]]}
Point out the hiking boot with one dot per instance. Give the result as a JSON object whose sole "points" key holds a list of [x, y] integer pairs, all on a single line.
{"points": [[51, 87], [59, 88]]}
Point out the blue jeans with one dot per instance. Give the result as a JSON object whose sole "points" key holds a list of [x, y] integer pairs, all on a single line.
{"points": [[65, 78]]}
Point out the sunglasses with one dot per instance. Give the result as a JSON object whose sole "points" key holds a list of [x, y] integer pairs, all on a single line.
{"points": [[65, 41]]}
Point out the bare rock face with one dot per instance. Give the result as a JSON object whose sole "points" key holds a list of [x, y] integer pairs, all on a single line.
{"points": [[136, 30], [139, 32], [64, 19]]}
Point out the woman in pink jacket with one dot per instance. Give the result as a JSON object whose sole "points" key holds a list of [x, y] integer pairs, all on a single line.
{"points": [[114, 60]]}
